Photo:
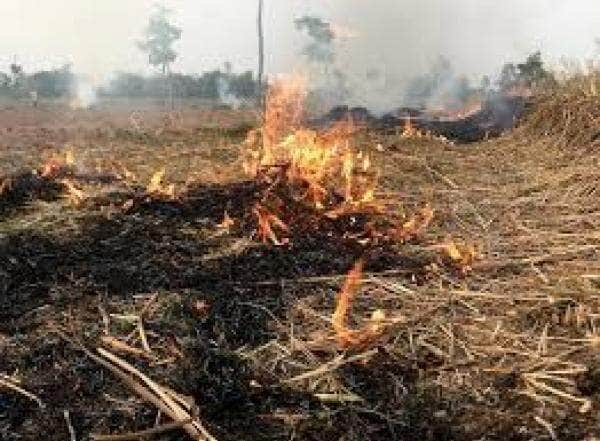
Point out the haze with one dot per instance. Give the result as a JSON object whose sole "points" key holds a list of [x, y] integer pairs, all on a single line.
{"points": [[398, 38]]}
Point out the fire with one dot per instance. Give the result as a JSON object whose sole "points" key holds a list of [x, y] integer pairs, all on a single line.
{"points": [[416, 225], [309, 178], [157, 186], [319, 161], [227, 222], [58, 164], [409, 130], [345, 336], [267, 223], [76, 195], [461, 256]]}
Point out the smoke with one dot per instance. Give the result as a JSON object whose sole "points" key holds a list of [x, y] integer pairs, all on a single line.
{"points": [[393, 42], [85, 93], [226, 95]]}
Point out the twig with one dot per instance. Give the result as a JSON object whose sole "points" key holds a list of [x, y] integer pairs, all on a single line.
{"points": [[546, 425], [339, 398], [5, 382], [143, 337], [332, 366], [142, 433], [120, 346], [69, 425]]}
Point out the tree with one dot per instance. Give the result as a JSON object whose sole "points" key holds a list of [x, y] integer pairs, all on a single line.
{"points": [[160, 36], [319, 49], [532, 71], [54, 83], [17, 77], [509, 76]]}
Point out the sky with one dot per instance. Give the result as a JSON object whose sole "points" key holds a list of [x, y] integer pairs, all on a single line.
{"points": [[399, 38]]}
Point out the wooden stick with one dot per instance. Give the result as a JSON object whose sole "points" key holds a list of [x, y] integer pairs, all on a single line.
{"points": [[332, 366], [175, 409], [142, 391]]}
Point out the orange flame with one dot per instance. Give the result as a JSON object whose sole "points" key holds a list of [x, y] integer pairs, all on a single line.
{"points": [[76, 195], [345, 336], [461, 256], [317, 160], [157, 186], [416, 225], [58, 165], [267, 222]]}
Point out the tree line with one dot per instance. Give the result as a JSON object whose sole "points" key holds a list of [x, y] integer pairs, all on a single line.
{"points": [[62, 83]]}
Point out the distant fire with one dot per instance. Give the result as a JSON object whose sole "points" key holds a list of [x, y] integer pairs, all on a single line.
{"points": [[470, 108], [158, 187], [57, 165]]}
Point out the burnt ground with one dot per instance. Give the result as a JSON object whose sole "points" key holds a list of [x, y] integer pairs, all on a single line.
{"points": [[244, 327]]}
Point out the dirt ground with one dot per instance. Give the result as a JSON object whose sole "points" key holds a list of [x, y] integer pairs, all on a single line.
{"points": [[506, 351]]}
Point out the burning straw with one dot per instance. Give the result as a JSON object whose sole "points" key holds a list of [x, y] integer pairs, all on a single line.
{"points": [[317, 182]]}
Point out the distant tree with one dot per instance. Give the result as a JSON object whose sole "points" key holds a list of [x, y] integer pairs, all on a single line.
{"points": [[4, 81], [529, 73], [55, 83], [160, 36], [243, 85], [17, 77], [319, 49], [509, 76], [532, 71], [486, 83]]}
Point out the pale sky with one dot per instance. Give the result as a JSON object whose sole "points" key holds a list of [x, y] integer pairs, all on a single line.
{"points": [[398, 37]]}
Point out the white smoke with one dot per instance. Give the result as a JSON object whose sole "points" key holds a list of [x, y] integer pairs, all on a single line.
{"points": [[225, 94], [85, 93]]}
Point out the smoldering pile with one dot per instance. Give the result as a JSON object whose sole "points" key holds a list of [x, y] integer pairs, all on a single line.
{"points": [[489, 118]]}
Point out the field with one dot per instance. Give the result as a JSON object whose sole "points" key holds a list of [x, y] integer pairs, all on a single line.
{"points": [[486, 320]]}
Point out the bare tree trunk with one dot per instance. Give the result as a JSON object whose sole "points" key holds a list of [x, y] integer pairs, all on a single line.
{"points": [[171, 90], [165, 86], [261, 57]]}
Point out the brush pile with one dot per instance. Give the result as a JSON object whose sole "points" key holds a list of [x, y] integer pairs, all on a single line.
{"points": [[318, 184]]}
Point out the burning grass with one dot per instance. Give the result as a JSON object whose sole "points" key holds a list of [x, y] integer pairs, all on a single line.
{"points": [[478, 320], [318, 182]]}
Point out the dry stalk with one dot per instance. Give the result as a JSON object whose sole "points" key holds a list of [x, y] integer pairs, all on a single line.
{"points": [[148, 390], [72, 434], [331, 366], [195, 428], [123, 347], [6, 382], [143, 433]]}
